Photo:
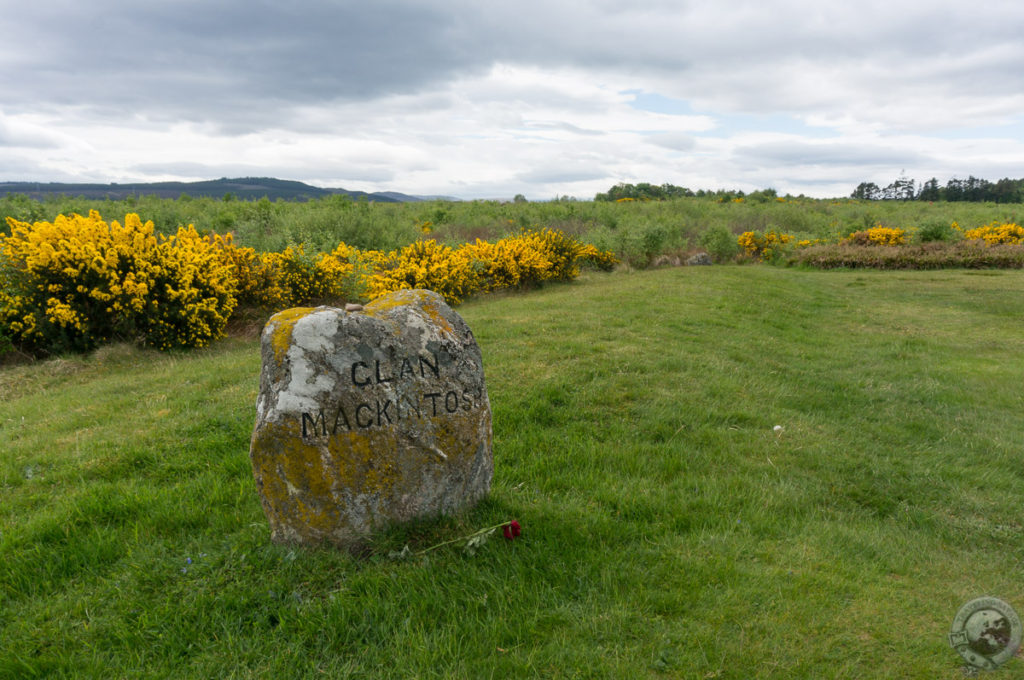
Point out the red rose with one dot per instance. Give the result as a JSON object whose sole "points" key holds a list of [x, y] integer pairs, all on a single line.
{"points": [[512, 529]]}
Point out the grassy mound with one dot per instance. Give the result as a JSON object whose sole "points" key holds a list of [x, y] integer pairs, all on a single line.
{"points": [[667, 529]]}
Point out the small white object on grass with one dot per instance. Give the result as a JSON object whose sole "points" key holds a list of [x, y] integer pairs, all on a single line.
{"points": [[777, 428]]}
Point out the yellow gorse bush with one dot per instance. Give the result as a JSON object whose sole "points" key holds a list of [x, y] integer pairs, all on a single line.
{"points": [[424, 264], [878, 236], [807, 243], [78, 281], [528, 259], [762, 246], [275, 280], [996, 233], [604, 260], [257, 283], [509, 263], [192, 294], [521, 261]]}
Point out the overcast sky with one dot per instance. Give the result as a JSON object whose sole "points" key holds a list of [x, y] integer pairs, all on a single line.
{"points": [[481, 99]]}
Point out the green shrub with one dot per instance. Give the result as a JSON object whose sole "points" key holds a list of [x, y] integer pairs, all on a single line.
{"points": [[6, 344], [720, 243], [935, 230], [639, 244]]}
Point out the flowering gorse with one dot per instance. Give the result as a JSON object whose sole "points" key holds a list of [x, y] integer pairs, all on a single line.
{"points": [[78, 281], [521, 261], [995, 233], [878, 236], [423, 264], [762, 247]]}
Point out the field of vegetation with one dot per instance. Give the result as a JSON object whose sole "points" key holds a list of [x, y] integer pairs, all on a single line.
{"points": [[176, 273], [638, 231], [668, 529]]}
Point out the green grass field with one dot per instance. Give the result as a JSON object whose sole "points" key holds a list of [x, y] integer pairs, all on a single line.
{"points": [[668, 531]]}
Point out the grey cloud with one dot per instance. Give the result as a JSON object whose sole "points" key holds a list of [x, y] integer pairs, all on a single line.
{"points": [[19, 168], [355, 173], [193, 169], [12, 136], [565, 127], [316, 172], [239, 63], [557, 175], [676, 141], [247, 65], [347, 68], [797, 152]]}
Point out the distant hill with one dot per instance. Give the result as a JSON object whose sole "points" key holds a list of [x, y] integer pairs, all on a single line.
{"points": [[243, 188]]}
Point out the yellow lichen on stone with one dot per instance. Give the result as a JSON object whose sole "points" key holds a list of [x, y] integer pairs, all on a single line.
{"points": [[282, 324], [357, 464], [400, 298], [292, 480], [416, 298], [434, 313], [302, 482], [302, 466]]}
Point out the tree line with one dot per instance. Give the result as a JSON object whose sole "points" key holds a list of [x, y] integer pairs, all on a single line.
{"points": [[972, 189], [645, 191]]}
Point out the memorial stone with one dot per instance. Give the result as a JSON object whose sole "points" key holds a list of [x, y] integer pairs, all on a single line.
{"points": [[369, 417]]}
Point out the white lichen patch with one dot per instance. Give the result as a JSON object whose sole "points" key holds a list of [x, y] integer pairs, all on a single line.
{"points": [[312, 335], [315, 332]]}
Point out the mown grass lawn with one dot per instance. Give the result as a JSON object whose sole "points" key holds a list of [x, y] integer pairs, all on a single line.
{"points": [[668, 530]]}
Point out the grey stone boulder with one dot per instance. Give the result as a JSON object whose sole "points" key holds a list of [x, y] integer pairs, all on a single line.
{"points": [[666, 261], [369, 417], [698, 259]]}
